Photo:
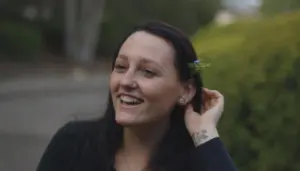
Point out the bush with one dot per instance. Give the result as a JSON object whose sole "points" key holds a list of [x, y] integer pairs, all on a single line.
{"points": [[20, 41], [120, 17], [256, 65]]}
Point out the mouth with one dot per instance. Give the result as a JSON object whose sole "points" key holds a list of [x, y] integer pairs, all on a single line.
{"points": [[129, 100]]}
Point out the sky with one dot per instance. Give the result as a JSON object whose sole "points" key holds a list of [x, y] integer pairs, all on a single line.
{"points": [[241, 3]]}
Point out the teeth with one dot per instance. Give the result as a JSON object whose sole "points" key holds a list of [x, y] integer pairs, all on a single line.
{"points": [[128, 99]]}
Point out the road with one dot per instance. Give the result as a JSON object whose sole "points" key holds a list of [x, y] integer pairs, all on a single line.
{"points": [[34, 106]]}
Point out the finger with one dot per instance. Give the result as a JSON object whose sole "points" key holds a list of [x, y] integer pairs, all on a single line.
{"points": [[206, 101], [214, 102], [202, 109], [209, 96], [206, 90], [214, 94], [219, 97], [219, 101], [211, 92], [189, 108], [212, 98]]}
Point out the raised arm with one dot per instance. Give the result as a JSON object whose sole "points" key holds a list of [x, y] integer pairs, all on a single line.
{"points": [[209, 153]]}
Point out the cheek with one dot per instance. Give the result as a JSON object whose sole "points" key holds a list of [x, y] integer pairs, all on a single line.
{"points": [[113, 82], [161, 93]]}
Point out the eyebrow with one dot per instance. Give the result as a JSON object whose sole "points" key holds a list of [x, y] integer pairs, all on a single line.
{"points": [[143, 60], [122, 56]]}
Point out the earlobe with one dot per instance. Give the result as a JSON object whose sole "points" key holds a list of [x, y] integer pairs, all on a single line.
{"points": [[182, 101]]}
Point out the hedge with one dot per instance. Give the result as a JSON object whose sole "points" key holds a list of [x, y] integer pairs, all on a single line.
{"points": [[19, 41], [256, 65]]}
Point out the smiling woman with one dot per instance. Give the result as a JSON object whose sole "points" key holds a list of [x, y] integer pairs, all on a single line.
{"points": [[156, 117], [140, 62]]}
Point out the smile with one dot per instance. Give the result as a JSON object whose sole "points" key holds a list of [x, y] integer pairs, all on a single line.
{"points": [[130, 100]]}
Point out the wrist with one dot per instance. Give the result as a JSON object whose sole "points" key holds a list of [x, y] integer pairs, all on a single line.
{"points": [[204, 134]]}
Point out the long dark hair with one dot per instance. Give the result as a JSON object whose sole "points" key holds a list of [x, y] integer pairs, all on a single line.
{"points": [[172, 151]]}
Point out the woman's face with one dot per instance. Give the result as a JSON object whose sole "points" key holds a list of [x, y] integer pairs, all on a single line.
{"points": [[144, 84]]}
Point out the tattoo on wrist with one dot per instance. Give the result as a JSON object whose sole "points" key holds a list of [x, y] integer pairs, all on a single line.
{"points": [[199, 137]]}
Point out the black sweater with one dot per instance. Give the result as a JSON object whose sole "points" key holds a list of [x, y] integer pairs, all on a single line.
{"points": [[74, 148]]}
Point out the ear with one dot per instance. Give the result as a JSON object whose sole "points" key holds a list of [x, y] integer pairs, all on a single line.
{"points": [[187, 93]]}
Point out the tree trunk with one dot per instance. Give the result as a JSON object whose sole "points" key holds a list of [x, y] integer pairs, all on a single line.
{"points": [[70, 28], [83, 20]]}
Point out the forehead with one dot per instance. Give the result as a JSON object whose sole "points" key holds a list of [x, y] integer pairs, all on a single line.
{"points": [[145, 45]]}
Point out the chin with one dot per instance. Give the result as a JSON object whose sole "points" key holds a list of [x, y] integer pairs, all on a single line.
{"points": [[127, 121], [125, 124]]}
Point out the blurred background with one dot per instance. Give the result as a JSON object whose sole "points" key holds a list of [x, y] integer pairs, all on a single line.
{"points": [[55, 59]]}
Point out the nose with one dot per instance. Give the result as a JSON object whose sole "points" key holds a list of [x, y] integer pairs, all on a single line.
{"points": [[128, 80]]}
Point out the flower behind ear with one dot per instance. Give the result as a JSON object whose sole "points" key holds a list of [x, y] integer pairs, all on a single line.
{"points": [[197, 66]]}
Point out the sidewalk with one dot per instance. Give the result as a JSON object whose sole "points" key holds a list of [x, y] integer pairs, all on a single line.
{"points": [[35, 102], [18, 78], [41, 94]]}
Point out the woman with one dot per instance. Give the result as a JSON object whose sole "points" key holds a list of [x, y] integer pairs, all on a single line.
{"points": [[153, 119]]}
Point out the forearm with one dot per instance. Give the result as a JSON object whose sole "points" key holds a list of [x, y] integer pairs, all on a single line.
{"points": [[204, 134], [210, 154]]}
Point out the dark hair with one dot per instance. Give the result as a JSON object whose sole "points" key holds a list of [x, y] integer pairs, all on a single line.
{"points": [[171, 153]]}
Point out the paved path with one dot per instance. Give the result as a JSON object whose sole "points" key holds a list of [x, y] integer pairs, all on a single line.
{"points": [[34, 106]]}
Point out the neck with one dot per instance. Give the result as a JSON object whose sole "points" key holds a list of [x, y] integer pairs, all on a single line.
{"points": [[139, 141]]}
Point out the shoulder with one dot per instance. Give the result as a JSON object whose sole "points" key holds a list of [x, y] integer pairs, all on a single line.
{"points": [[74, 143], [80, 128], [75, 131], [79, 133]]}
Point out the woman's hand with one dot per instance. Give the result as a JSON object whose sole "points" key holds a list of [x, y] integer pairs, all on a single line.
{"points": [[202, 127]]}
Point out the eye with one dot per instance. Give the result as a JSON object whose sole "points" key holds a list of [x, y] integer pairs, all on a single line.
{"points": [[148, 73], [120, 68]]}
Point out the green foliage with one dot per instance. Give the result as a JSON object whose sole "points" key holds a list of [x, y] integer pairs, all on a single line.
{"points": [[279, 6], [19, 41], [256, 65], [121, 16]]}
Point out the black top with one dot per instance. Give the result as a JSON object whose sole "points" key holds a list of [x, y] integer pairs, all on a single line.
{"points": [[74, 148]]}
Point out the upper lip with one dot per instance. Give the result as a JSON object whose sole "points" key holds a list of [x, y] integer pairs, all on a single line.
{"points": [[129, 95]]}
